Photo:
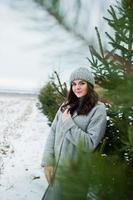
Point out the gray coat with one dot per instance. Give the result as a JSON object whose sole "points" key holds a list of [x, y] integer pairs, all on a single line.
{"points": [[88, 129], [63, 142]]}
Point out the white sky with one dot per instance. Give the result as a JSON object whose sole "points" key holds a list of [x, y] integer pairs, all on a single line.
{"points": [[32, 45], [19, 61], [31, 50]]}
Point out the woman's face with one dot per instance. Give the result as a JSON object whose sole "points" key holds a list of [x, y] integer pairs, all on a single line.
{"points": [[80, 88]]}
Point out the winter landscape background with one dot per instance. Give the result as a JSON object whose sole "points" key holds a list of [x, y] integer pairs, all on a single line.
{"points": [[23, 130], [33, 44]]}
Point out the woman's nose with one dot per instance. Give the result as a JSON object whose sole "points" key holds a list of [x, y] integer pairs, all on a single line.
{"points": [[77, 87]]}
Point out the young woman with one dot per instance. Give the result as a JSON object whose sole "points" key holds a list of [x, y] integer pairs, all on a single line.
{"points": [[81, 119]]}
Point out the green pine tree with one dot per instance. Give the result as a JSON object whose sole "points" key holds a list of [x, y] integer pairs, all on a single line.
{"points": [[109, 176], [114, 72], [51, 96]]}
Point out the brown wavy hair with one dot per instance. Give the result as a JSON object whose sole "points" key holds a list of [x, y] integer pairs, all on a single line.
{"points": [[81, 105]]}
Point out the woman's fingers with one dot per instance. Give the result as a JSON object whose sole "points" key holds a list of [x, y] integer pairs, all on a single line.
{"points": [[66, 115], [47, 175], [49, 170]]}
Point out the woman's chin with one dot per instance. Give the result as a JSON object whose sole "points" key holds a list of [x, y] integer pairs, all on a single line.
{"points": [[79, 95]]}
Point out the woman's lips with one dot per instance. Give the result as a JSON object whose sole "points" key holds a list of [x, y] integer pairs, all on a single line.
{"points": [[78, 92]]}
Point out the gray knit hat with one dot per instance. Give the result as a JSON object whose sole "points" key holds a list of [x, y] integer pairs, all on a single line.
{"points": [[82, 73]]}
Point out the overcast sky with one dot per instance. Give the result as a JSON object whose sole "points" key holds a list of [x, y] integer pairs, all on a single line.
{"points": [[32, 45], [20, 61]]}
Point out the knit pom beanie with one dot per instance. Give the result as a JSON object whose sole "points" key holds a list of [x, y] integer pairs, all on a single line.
{"points": [[82, 73]]}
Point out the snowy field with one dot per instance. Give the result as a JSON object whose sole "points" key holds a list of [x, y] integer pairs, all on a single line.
{"points": [[23, 132]]}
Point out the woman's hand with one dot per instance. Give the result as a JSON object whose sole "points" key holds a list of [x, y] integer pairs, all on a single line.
{"points": [[49, 172], [65, 115]]}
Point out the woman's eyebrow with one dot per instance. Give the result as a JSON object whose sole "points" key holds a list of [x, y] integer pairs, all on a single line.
{"points": [[81, 81]]}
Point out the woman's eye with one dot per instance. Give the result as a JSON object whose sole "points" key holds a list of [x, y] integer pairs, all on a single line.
{"points": [[82, 83], [73, 84]]}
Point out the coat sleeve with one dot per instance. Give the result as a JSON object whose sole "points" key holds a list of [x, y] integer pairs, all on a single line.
{"points": [[94, 133], [48, 154]]}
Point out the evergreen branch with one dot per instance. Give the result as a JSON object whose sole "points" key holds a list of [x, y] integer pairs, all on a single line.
{"points": [[57, 89], [121, 37], [97, 55], [94, 61], [99, 41], [111, 38], [53, 8], [116, 44], [94, 52], [112, 13], [60, 85], [130, 48], [65, 85]]}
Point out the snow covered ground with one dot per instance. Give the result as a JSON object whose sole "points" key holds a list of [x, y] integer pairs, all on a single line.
{"points": [[23, 132]]}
